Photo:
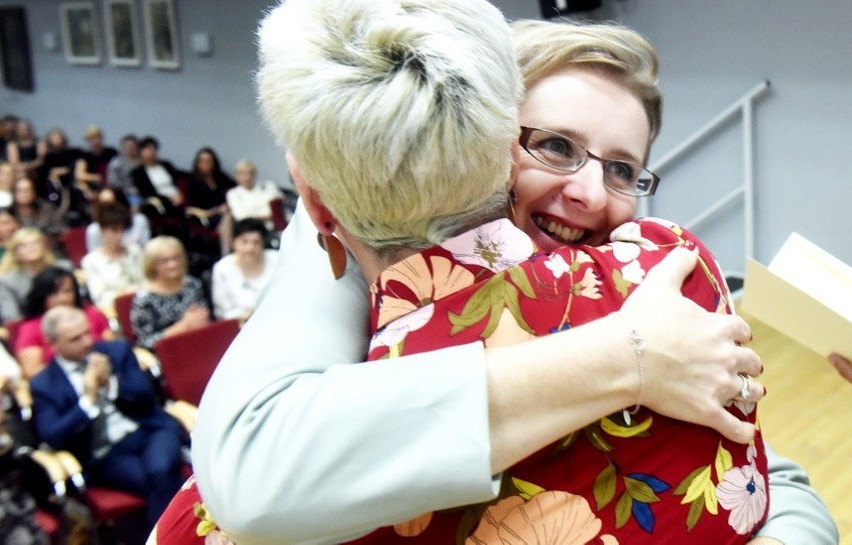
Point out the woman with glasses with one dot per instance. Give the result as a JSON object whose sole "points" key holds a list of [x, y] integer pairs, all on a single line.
{"points": [[357, 446]]}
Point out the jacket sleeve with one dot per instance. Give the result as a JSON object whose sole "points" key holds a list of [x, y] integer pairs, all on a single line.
{"points": [[296, 442], [57, 423]]}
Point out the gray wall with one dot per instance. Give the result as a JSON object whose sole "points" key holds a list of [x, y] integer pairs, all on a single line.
{"points": [[712, 53]]}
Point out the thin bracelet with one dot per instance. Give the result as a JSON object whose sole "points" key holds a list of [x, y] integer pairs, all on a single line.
{"points": [[638, 343]]}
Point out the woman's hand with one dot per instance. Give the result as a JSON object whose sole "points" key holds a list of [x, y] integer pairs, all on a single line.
{"points": [[195, 316], [692, 357], [842, 364]]}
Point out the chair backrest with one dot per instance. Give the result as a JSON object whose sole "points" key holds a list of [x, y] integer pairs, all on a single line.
{"points": [[189, 359], [279, 219], [74, 243], [123, 304]]}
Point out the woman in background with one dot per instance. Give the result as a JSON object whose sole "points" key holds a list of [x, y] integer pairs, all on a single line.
{"points": [[205, 196], [24, 152], [239, 277], [9, 225], [172, 301], [251, 199], [139, 231], [52, 287], [115, 267], [27, 254], [36, 212]]}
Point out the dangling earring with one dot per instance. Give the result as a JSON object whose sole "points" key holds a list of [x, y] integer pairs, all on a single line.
{"points": [[510, 205], [336, 253]]}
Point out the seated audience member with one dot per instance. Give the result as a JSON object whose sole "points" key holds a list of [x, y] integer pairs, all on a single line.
{"points": [[250, 199], [52, 287], [239, 277], [23, 152], [9, 225], [139, 231], [90, 168], [156, 182], [34, 211], [115, 267], [27, 254], [172, 301], [56, 179], [7, 135], [119, 168], [205, 196], [7, 183], [94, 401]]}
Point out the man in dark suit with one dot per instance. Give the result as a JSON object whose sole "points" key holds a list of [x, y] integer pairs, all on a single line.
{"points": [[94, 401]]}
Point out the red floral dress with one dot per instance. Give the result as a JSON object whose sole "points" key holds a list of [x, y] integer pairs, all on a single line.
{"points": [[628, 479]]}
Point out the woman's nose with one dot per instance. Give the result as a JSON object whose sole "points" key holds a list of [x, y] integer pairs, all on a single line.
{"points": [[585, 187]]}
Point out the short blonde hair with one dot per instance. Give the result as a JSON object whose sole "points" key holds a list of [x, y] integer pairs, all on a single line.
{"points": [[155, 248], [245, 163], [10, 262], [547, 47], [400, 113]]}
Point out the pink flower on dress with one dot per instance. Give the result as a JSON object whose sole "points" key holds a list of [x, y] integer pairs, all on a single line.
{"points": [[631, 232], [742, 491], [557, 265], [496, 246], [549, 518]]}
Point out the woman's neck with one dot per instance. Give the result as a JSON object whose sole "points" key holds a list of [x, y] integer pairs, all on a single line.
{"points": [[113, 250], [166, 286], [250, 267]]}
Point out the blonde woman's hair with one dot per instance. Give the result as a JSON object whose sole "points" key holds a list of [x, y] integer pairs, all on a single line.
{"points": [[10, 262], [400, 113], [547, 47], [155, 248], [245, 163]]}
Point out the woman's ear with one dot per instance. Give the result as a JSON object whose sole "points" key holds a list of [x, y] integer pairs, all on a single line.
{"points": [[321, 216]]}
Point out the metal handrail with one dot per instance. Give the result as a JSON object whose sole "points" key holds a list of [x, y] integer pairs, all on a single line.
{"points": [[744, 105]]}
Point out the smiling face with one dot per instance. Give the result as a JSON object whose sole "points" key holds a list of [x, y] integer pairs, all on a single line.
{"points": [[557, 208]]}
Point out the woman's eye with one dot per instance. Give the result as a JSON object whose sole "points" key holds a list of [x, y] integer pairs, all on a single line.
{"points": [[557, 146], [622, 170]]}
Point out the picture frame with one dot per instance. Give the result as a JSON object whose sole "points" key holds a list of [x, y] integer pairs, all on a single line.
{"points": [[80, 33], [161, 34], [15, 49], [122, 37]]}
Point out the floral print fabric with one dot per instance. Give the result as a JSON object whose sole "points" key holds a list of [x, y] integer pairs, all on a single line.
{"points": [[644, 478]]}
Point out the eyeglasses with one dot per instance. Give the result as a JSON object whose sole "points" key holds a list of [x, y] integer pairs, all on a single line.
{"points": [[560, 152]]}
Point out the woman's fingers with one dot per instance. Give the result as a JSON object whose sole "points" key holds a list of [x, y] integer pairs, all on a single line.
{"points": [[842, 364]]}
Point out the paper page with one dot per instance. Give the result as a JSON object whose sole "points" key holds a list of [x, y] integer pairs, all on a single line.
{"points": [[806, 294]]}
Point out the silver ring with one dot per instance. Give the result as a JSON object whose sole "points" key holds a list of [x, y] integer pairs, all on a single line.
{"points": [[745, 391]]}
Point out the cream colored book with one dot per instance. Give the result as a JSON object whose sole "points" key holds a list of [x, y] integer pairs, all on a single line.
{"points": [[805, 293]]}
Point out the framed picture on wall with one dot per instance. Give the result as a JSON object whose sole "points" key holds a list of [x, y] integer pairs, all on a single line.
{"points": [[122, 41], [80, 33], [15, 49], [161, 34]]}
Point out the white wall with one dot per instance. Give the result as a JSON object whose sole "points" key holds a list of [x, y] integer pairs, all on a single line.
{"points": [[712, 52]]}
